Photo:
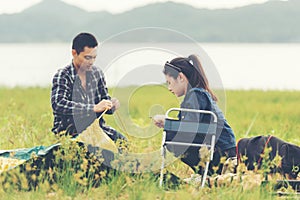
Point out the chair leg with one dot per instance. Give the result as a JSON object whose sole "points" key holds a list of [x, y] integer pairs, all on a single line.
{"points": [[205, 174], [163, 157]]}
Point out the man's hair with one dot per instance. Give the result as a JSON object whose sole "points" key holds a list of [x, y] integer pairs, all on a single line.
{"points": [[84, 40]]}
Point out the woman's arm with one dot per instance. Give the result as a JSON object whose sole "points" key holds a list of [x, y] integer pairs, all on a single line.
{"points": [[159, 120]]}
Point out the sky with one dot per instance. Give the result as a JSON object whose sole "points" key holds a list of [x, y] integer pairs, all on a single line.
{"points": [[118, 6]]}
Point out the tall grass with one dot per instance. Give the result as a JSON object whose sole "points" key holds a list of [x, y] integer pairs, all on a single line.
{"points": [[26, 121]]}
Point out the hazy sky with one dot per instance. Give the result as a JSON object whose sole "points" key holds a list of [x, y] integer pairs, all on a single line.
{"points": [[116, 6]]}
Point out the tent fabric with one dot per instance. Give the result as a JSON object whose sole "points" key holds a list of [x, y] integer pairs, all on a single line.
{"points": [[10, 159]]}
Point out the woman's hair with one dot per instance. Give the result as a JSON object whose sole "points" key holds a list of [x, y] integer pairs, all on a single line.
{"points": [[192, 69]]}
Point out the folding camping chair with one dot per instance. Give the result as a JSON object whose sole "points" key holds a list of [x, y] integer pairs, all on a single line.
{"points": [[183, 133]]}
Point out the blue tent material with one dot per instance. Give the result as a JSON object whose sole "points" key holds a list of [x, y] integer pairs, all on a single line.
{"points": [[26, 153], [10, 159]]}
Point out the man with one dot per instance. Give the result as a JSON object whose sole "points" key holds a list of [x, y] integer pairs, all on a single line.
{"points": [[79, 94]]}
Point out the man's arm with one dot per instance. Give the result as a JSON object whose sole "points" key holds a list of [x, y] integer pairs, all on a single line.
{"points": [[103, 93], [61, 97]]}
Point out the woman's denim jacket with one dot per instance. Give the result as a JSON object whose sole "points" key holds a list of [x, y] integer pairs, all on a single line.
{"points": [[200, 99]]}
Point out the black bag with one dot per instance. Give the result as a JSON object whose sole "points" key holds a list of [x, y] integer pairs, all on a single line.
{"points": [[253, 147]]}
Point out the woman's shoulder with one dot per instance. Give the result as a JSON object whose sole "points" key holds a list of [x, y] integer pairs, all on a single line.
{"points": [[195, 94], [196, 89], [198, 92]]}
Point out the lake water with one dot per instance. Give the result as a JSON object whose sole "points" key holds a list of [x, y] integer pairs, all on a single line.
{"points": [[232, 66]]}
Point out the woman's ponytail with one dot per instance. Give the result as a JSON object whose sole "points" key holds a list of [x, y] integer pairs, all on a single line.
{"points": [[195, 62]]}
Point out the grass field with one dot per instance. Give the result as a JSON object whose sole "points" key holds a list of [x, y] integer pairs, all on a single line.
{"points": [[26, 121]]}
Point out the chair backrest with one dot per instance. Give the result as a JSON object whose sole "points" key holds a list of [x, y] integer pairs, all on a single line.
{"points": [[186, 133]]}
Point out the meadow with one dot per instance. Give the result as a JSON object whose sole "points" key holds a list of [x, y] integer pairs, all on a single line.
{"points": [[26, 121]]}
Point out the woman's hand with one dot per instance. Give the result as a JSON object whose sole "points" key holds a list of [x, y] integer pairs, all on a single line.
{"points": [[159, 120]]}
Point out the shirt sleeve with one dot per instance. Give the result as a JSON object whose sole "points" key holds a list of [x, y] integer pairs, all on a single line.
{"points": [[102, 91], [61, 97]]}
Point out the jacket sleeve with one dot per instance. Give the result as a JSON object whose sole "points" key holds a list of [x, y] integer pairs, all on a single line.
{"points": [[102, 91]]}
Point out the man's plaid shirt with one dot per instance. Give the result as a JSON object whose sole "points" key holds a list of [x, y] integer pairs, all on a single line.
{"points": [[72, 105]]}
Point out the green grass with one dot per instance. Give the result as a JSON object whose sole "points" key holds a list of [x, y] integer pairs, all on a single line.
{"points": [[26, 121]]}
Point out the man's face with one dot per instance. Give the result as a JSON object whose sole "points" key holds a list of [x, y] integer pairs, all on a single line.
{"points": [[85, 59]]}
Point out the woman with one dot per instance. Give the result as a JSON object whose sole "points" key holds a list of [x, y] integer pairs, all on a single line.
{"points": [[186, 77]]}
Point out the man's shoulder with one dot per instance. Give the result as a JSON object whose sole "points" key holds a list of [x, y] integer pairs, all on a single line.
{"points": [[65, 71], [97, 71], [64, 75]]}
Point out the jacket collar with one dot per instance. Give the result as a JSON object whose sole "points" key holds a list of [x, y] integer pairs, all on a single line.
{"points": [[73, 71]]}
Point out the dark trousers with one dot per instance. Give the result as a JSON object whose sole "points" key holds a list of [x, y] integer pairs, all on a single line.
{"points": [[191, 157]]}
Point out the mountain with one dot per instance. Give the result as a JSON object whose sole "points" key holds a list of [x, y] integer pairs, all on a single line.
{"points": [[50, 7], [56, 21]]}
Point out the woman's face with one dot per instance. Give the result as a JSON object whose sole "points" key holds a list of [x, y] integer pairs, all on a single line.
{"points": [[177, 86]]}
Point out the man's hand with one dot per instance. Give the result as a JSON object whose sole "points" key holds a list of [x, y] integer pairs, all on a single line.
{"points": [[115, 103], [103, 105]]}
